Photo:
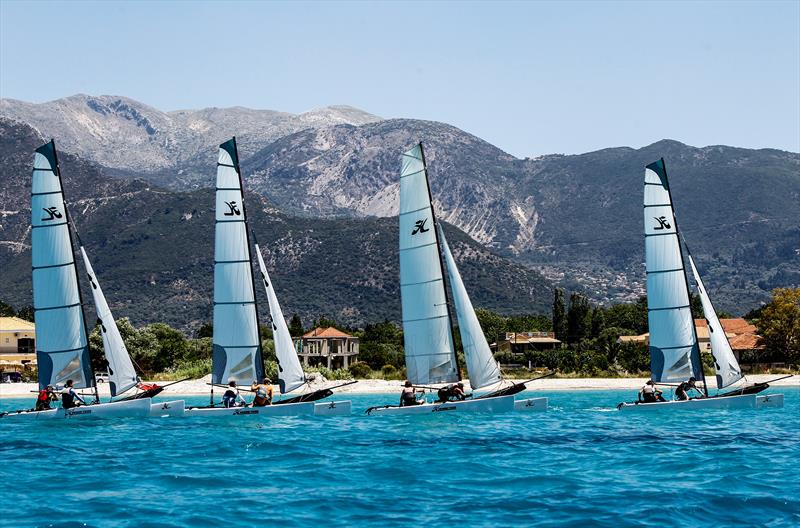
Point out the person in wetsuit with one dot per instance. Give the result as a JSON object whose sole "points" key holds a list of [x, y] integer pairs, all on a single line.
{"points": [[452, 392], [70, 398], [46, 396], [682, 391], [650, 393], [408, 396], [232, 398], [263, 392]]}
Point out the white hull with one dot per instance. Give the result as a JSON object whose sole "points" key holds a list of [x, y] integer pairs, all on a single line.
{"points": [[531, 404], [332, 408], [173, 408], [125, 409], [747, 401], [485, 405]]}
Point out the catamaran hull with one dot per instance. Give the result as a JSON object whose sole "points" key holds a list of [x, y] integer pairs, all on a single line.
{"points": [[334, 408], [531, 404], [288, 409], [498, 404], [747, 401], [125, 409], [175, 408]]}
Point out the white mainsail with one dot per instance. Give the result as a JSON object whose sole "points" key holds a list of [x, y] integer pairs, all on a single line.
{"points": [[62, 349], [236, 345], [121, 374], [290, 372], [483, 369], [428, 339], [674, 351], [728, 370]]}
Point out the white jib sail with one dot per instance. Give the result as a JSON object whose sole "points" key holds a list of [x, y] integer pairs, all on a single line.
{"points": [[483, 369], [236, 352], [62, 349], [121, 374], [428, 339], [674, 351], [728, 370], [290, 372]]}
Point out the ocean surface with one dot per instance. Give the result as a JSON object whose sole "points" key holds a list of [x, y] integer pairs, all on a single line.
{"points": [[579, 464]]}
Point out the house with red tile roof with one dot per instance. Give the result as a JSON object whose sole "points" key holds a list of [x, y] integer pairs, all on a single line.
{"points": [[327, 347]]}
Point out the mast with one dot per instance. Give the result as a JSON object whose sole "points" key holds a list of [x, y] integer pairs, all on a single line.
{"points": [[259, 352], [441, 261], [70, 227], [685, 278]]}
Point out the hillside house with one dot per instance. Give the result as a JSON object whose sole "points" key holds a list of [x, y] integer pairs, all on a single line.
{"points": [[327, 347]]}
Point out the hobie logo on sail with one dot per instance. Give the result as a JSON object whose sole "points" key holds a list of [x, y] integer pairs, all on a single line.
{"points": [[234, 209], [419, 227], [52, 212], [662, 223]]}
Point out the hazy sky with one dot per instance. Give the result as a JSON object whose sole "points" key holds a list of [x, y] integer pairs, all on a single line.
{"points": [[531, 78]]}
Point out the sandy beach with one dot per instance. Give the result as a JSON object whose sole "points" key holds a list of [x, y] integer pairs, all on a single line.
{"points": [[373, 386]]}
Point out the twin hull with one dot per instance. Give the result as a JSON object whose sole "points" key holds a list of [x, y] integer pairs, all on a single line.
{"points": [[497, 404], [332, 408], [125, 409], [747, 401]]}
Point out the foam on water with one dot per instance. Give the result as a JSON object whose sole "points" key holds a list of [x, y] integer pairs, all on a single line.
{"points": [[570, 465]]}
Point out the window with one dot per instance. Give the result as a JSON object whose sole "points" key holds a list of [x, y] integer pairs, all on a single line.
{"points": [[26, 346]]}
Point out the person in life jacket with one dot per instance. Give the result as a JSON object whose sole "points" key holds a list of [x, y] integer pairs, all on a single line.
{"points": [[682, 390], [232, 398], [263, 392], [46, 396], [408, 396], [650, 393], [70, 398], [452, 392]]}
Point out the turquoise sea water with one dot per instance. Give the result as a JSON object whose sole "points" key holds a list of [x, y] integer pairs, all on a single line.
{"points": [[580, 463]]}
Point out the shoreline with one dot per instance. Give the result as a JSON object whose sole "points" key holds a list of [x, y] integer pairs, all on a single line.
{"points": [[200, 387]]}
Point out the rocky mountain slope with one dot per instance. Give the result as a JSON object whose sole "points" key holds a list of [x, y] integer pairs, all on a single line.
{"points": [[121, 133], [152, 250], [576, 218]]}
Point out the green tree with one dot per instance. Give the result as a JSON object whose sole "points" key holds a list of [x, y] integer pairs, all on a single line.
{"points": [[579, 318], [696, 305], [26, 313], [779, 323], [296, 326], [560, 326], [598, 321], [6, 310], [172, 346], [205, 330]]}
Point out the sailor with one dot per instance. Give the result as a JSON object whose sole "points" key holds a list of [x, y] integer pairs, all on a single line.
{"points": [[263, 392], [409, 397], [232, 398], [650, 393], [46, 396], [682, 391], [69, 396], [452, 392]]}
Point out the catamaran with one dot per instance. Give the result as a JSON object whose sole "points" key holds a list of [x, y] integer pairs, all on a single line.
{"points": [[237, 354], [427, 322], [674, 347], [62, 347]]}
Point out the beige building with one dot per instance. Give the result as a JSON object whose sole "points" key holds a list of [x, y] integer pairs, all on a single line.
{"points": [[327, 347], [17, 343], [521, 342]]}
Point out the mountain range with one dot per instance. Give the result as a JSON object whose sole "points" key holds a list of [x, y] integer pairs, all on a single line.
{"points": [[152, 249], [576, 219]]}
